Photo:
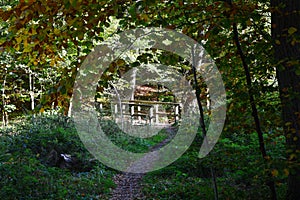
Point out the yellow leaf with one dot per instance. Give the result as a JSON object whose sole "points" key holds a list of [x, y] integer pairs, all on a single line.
{"points": [[30, 1], [24, 8], [19, 40], [25, 43], [2, 41], [288, 123], [56, 31], [267, 157], [248, 22], [27, 48], [80, 35], [145, 17], [286, 172], [120, 62], [17, 47], [275, 172], [293, 130], [292, 156], [42, 110], [52, 63], [292, 30], [33, 31], [71, 21], [277, 42]]}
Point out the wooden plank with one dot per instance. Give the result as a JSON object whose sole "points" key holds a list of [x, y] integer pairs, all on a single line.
{"points": [[149, 102]]}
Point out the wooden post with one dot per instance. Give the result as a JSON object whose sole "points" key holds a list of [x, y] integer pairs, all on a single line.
{"points": [[131, 113], [100, 110], [123, 109], [151, 115], [156, 114], [132, 110], [139, 117], [176, 113], [116, 111]]}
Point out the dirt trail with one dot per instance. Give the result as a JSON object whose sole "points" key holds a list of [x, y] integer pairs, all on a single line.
{"points": [[128, 184]]}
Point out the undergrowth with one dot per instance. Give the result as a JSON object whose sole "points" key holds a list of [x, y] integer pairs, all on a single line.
{"points": [[31, 165]]}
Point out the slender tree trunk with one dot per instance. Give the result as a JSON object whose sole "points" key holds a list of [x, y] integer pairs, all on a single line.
{"points": [[4, 113], [70, 106], [201, 119], [285, 29], [31, 89], [270, 183], [133, 82]]}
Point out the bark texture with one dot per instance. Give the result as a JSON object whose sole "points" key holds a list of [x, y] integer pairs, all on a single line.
{"points": [[286, 38]]}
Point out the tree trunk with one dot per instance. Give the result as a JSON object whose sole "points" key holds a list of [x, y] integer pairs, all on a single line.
{"points": [[201, 120], [4, 113], [133, 82], [285, 27], [31, 89]]}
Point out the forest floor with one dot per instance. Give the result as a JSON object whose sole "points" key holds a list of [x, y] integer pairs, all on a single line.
{"points": [[33, 166]]}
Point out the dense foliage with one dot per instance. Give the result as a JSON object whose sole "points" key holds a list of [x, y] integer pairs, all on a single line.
{"points": [[29, 171]]}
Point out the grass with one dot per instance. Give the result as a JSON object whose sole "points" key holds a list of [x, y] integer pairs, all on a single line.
{"points": [[131, 143]]}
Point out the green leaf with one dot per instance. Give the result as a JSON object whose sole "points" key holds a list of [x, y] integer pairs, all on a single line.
{"points": [[135, 64], [292, 30], [297, 71]]}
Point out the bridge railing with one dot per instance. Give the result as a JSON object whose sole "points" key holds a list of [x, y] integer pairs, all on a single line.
{"points": [[140, 112]]}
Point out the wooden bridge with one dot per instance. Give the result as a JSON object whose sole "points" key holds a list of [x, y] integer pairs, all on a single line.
{"points": [[139, 112]]}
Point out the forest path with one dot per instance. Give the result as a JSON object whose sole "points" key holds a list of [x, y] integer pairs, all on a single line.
{"points": [[128, 184]]}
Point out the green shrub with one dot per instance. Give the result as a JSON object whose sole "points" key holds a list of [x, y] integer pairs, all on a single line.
{"points": [[27, 172]]}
